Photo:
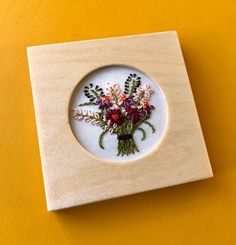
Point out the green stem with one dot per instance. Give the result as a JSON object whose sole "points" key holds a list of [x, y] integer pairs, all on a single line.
{"points": [[139, 98], [143, 132], [87, 103], [100, 138], [143, 120], [95, 93], [126, 147], [131, 87], [150, 125], [116, 100]]}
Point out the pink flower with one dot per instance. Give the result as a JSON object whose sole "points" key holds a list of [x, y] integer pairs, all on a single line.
{"points": [[143, 91]]}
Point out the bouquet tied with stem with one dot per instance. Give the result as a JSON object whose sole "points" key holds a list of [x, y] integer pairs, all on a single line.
{"points": [[120, 113]]}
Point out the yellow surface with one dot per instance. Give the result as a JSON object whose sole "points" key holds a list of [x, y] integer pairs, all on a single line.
{"points": [[197, 213]]}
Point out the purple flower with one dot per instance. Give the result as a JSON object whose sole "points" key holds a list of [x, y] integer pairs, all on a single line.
{"points": [[129, 102], [129, 105], [104, 102], [145, 111]]}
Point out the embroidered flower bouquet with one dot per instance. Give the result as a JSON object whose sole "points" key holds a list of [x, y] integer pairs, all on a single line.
{"points": [[120, 113]]}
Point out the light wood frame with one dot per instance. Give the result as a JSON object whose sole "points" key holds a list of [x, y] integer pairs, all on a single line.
{"points": [[72, 176]]}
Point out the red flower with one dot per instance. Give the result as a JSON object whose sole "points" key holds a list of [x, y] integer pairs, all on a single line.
{"points": [[106, 98], [114, 116], [123, 97], [134, 114]]}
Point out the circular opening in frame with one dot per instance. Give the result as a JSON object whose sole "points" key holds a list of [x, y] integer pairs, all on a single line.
{"points": [[118, 113]]}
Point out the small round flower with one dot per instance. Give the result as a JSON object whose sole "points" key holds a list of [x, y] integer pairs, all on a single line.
{"points": [[144, 103], [143, 91], [114, 116]]}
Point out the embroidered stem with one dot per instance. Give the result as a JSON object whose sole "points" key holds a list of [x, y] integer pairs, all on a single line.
{"points": [[140, 122], [114, 93], [100, 138], [126, 147], [116, 99], [87, 103], [139, 97], [150, 125], [143, 132], [95, 93]]}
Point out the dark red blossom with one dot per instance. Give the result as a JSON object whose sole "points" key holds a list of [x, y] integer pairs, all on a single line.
{"points": [[134, 114], [114, 116]]}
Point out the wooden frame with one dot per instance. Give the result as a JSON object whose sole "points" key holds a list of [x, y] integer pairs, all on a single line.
{"points": [[72, 176]]}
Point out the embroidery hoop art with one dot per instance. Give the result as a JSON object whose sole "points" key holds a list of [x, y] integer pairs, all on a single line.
{"points": [[88, 135]]}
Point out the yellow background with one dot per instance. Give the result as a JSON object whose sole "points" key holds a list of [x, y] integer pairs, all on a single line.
{"points": [[203, 212]]}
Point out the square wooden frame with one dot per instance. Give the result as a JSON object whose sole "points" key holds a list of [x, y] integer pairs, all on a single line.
{"points": [[72, 176]]}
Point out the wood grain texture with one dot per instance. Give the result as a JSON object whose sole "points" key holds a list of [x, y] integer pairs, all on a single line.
{"points": [[72, 176]]}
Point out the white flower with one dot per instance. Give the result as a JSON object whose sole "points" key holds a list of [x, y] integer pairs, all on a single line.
{"points": [[113, 88], [107, 127], [87, 116], [77, 114], [143, 103], [115, 94], [143, 92], [96, 115]]}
